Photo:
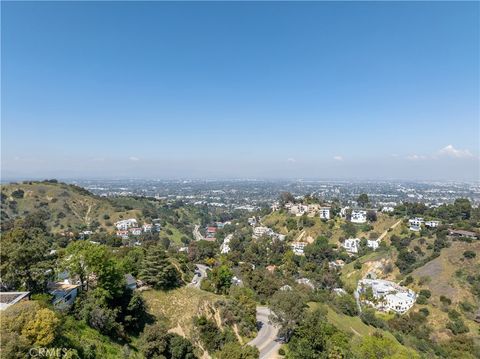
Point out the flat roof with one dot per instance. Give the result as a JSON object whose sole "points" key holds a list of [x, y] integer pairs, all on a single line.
{"points": [[9, 298]]}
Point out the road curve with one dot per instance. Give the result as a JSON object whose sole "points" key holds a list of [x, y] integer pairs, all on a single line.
{"points": [[197, 278], [266, 340]]}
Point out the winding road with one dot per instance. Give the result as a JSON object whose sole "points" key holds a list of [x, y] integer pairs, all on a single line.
{"points": [[266, 340], [199, 275]]}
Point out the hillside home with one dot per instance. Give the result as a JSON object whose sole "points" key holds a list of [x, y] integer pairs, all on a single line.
{"points": [[252, 221], [358, 216], [305, 281], [135, 231], [147, 227], [432, 224], [415, 224], [387, 296], [325, 213], [8, 299], [298, 248], [388, 209], [122, 234], [126, 224], [64, 294], [351, 245], [337, 264]]}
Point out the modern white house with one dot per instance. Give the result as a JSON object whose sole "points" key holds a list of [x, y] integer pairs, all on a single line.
{"points": [[415, 224], [359, 216], [252, 221], [325, 213], [225, 247], [432, 224], [387, 296], [388, 209], [122, 234], [298, 248], [351, 245], [126, 224]]}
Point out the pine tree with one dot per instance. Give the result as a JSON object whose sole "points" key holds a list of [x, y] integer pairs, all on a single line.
{"points": [[157, 270]]}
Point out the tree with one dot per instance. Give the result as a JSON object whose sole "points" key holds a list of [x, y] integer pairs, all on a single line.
{"points": [[346, 304], [316, 338], [378, 346], [24, 259], [83, 259], [286, 197], [469, 254], [221, 278], [157, 270], [349, 229], [42, 330], [288, 308], [372, 216], [363, 200], [237, 351], [155, 342]]}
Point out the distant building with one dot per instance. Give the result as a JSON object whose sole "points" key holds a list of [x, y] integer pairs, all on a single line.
{"points": [[135, 231], [388, 209], [252, 221], [147, 227], [261, 231], [122, 234], [415, 224], [126, 224], [432, 224], [351, 245], [8, 299], [325, 213], [387, 296], [337, 264], [298, 248], [358, 216], [305, 281]]}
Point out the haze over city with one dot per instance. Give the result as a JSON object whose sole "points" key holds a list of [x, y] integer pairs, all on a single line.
{"points": [[230, 90]]}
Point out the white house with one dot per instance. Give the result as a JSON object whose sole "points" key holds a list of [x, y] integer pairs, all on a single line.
{"points": [[126, 224], [225, 247], [359, 216], [298, 209], [325, 213], [122, 234], [252, 221], [388, 209], [147, 227], [305, 281], [351, 245], [387, 296], [432, 224], [135, 231], [298, 248], [415, 224]]}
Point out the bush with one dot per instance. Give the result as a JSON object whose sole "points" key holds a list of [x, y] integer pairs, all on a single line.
{"points": [[426, 293], [422, 299], [469, 254]]}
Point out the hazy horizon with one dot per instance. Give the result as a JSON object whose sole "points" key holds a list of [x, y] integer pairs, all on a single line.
{"points": [[232, 90]]}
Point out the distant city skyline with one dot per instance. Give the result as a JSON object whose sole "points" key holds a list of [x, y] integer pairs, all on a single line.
{"points": [[314, 90]]}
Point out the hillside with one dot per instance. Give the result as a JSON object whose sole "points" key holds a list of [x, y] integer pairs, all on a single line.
{"points": [[69, 207]]}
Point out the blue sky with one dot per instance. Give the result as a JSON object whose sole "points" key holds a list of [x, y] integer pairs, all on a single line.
{"points": [[277, 90]]}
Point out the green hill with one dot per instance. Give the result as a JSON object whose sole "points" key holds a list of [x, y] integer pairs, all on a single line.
{"points": [[68, 207]]}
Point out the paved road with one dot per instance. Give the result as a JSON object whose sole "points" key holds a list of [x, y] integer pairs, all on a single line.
{"points": [[266, 340], [197, 278]]}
